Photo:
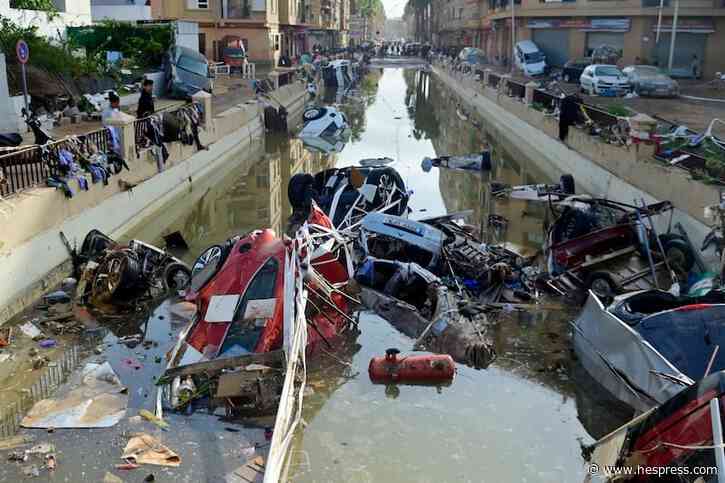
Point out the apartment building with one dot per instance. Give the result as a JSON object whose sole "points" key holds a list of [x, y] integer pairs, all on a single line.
{"points": [[266, 28], [572, 28]]}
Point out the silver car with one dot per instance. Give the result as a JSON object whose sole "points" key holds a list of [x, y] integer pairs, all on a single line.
{"points": [[648, 80]]}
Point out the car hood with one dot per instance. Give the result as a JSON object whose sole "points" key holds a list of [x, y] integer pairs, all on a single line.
{"points": [[613, 79]]}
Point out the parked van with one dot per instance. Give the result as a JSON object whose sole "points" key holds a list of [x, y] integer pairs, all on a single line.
{"points": [[529, 58], [187, 72]]}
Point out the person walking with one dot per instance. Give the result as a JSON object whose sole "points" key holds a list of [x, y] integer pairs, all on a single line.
{"points": [[695, 67], [146, 101]]}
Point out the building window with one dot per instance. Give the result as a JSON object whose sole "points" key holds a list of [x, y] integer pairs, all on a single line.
{"points": [[197, 4], [460, 13], [202, 3]]}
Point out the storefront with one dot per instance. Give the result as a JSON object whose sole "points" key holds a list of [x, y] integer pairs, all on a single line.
{"points": [[690, 43]]}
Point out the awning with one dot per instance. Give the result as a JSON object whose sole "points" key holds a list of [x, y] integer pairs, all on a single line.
{"points": [[584, 24]]}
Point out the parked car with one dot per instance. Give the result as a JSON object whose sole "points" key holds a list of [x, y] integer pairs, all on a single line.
{"points": [[472, 55], [604, 80], [187, 72], [648, 80], [234, 57], [573, 69], [529, 58]]}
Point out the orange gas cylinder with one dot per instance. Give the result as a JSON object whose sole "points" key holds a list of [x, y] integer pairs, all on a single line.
{"points": [[423, 369]]}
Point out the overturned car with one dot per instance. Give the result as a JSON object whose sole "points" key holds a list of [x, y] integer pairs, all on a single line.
{"points": [[325, 129]]}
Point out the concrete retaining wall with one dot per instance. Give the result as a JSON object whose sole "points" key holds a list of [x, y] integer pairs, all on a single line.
{"points": [[601, 169], [31, 251]]}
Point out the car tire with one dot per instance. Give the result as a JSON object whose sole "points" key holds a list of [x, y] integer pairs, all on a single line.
{"points": [[215, 253], [679, 254], [314, 113], [602, 284], [177, 277], [566, 183]]}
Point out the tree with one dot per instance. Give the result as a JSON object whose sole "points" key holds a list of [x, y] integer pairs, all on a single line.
{"points": [[369, 9]]}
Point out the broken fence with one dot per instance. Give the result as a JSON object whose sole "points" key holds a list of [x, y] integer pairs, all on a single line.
{"points": [[51, 377]]}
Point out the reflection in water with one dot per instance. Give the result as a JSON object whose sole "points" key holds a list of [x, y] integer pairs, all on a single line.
{"points": [[517, 421]]}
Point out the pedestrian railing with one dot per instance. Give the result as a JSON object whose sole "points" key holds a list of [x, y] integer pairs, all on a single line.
{"points": [[544, 99], [29, 167], [516, 89]]}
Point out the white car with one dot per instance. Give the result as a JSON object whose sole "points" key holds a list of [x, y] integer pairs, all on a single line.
{"points": [[325, 129], [604, 80]]}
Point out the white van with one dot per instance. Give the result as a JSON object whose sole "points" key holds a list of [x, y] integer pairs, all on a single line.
{"points": [[529, 58]]}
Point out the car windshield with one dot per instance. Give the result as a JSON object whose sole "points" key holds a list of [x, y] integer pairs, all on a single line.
{"points": [[534, 57], [235, 53], [607, 70], [192, 65]]}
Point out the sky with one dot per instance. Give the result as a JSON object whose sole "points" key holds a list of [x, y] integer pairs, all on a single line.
{"points": [[394, 8]]}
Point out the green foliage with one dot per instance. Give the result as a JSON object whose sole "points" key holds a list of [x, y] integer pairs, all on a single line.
{"points": [[370, 8], [144, 46], [619, 110], [45, 5], [538, 106], [53, 58]]}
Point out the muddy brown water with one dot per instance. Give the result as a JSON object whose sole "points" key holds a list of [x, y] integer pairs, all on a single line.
{"points": [[521, 420]]}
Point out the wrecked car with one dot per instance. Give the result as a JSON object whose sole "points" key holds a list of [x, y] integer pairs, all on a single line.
{"points": [[611, 247], [417, 303], [186, 72], [450, 251], [683, 436], [470, 162], [647, 346], [244, 293], [347, 194], [113, 273]]}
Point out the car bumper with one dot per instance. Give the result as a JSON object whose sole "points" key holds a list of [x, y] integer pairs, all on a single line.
{"points": [[612, 91]]}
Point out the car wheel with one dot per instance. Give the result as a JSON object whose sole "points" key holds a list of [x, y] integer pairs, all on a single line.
{"points": [[679, 255], [314, 113], [602, 284], [177, 277]]}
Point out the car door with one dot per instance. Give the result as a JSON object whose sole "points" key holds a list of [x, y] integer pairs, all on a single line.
{"points": [[585, 79]]}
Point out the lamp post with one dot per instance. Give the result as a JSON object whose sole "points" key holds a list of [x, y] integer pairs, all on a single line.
{"points": [[513, 34], [673, 35]]}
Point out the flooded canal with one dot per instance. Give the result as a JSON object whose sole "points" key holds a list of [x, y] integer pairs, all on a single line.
{"points": [[523, 419]]}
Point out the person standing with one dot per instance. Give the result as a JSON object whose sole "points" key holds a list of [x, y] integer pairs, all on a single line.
{"points": [[146, 101], [695, 66]]}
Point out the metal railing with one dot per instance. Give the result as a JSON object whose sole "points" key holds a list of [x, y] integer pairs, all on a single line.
{"points": [[493, 80], [548, 101], [517, 89], [600, 117], [30, 167]]}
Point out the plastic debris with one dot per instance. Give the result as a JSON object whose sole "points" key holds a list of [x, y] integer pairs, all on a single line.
{"points": [[145, 449], [42, 448], [59, 297], [30, 330], [152, 418], [47, 343], [127, 466]]}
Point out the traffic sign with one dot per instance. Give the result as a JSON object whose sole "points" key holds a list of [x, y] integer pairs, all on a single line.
{"points": [[23, 51]]}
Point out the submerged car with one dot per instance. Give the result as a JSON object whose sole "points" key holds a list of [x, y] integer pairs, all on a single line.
{"points": [[645, 347], [324, 124], [187, 72], [348, 194], [648, 80], [338, 73], [604, 80], [680, 440]]}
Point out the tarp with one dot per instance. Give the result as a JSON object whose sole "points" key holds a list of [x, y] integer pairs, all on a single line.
{"points": [[621, 360], [96, 399]]}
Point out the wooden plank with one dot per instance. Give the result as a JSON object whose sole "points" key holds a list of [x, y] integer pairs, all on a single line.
{"points": [[273, 358]]}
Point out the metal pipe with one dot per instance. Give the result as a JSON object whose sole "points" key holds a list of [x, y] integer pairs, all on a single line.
{"points": [[513, 34], [717, 440], [673, 35]]}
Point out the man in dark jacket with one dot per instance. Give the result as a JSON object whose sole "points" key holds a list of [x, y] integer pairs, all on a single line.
{"points": [[568, 115], [146, 101]]}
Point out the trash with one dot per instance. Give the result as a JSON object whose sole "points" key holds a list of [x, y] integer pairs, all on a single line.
{"points": [[30, 330], [47, 343], [470, 162], [97, 401], [31, 471], [42, 448], [111, 478], [50, 462], [127, 466], [68, 285], [146, 449], [18, 456], [152, 418], [58, 297], [132, 363]]}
